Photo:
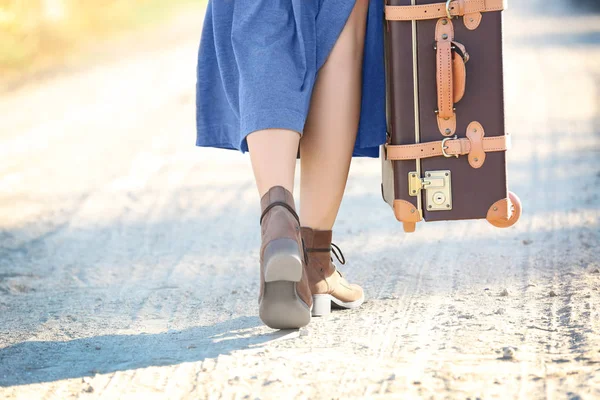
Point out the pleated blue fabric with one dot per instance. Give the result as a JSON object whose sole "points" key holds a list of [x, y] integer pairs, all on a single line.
{"points": [[258, 62]]}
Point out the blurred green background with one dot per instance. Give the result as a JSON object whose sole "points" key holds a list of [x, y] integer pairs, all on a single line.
{"points": [[34, 33]]}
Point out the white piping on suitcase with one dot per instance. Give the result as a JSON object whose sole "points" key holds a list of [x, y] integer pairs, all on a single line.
{"points": [[416, 101]]}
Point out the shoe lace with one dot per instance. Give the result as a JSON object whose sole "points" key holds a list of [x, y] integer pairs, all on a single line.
{"points": [[337, 252]]}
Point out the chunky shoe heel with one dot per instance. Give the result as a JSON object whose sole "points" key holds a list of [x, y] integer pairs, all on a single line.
{"points": [[281, 307], [283, 261], [321, 305], [329, 288], [285, 299]]}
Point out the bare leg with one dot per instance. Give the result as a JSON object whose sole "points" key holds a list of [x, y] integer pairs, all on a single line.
{"points": [[285, 300], [273, 155], [332, 123]]}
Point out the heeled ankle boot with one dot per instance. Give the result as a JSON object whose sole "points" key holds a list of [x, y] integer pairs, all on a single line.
{"points": [[285, 300], [327, 285]]}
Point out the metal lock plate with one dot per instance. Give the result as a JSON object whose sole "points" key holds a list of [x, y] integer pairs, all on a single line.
{"points": [[438, 190], [437, 186]]}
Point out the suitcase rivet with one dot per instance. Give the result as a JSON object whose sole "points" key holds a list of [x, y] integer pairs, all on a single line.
{"points": [[444, 36], [475, 130], [495, 208], [430, 206], [447, 174], [448, 131], [447, 205], [444, 22], [476, 159], [413, 210], [429, 175]]}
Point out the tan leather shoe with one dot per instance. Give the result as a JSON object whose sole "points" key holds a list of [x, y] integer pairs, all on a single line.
{"points": [[327, 285], [285, 300]]}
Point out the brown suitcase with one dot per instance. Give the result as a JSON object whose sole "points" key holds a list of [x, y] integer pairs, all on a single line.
{"points": [[445, 154]]}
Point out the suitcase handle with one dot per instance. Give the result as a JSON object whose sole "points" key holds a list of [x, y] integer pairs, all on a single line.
{"points": [[446, 117], [451, 75]]}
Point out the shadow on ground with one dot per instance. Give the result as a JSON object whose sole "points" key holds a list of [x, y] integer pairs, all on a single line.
{"points": [[20, 365]]}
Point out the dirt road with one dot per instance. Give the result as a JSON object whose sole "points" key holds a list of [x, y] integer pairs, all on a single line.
{"points": [[128, 258]]}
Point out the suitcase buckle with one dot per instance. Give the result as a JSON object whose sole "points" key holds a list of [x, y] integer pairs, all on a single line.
{"points": [[448, 9], [444, 147]]}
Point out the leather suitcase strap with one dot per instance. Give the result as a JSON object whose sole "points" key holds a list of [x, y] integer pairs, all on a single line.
{"points": [[448, 147], [445, 84], [444, 36], [439, 10]]}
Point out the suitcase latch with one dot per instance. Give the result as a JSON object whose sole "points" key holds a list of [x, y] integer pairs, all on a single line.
{"points": [[437, 186]]}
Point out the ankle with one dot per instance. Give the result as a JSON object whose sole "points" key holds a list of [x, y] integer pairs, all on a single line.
{"points": [[316, 239]]}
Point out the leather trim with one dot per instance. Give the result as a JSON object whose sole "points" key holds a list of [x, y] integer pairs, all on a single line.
{"points": [[460, 58], [459, 76], [464, 50], [475, 134], [407, 213], [444, 35], [472, 20], [506, 212], [499, 210], [458, 147], [438, 10], [447, 126]]}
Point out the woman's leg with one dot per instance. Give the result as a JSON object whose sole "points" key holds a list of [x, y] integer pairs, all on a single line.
{"points": [[285, 298], [332, 124], [326, 153], [273, 155]]}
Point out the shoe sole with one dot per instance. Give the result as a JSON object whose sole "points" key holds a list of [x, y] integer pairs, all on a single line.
{"points": [[280, 306], [323, 303]]}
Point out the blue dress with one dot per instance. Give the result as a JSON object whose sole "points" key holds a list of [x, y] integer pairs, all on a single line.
{"points": [[258, 61]]}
